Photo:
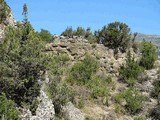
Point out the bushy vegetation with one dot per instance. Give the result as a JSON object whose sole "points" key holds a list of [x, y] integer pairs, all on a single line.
{"points": [[98, 87], [68, 32], [59, 92], [56, 64], [139, 118], [119, 109], [149, 55], [22, 64], [82, 71], [115, 35], [87, 34], [156, 91], [134, 100], [46, 36], [130, 71], [8, 110]]}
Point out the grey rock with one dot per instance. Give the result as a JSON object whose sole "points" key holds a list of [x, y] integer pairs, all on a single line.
{"points": [[45, 110], [109, 116], [62, 37], [71, 112]]}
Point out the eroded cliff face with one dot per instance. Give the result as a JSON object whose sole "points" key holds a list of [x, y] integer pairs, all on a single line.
{"points": [[9, 20], [77, 48]]}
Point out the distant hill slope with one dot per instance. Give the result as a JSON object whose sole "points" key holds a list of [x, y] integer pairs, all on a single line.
{"points": [[149, 37]]}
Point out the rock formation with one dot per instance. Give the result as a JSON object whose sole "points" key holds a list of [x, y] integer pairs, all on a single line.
{"points": [[72, 113], [10, 20]]}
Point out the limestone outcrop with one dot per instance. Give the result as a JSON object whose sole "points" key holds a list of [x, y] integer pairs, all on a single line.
{"points": [[70, 112], [45, 110], [10, 20]]}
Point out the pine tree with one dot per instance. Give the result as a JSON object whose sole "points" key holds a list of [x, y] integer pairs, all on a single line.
{"points": [[25, 13]]}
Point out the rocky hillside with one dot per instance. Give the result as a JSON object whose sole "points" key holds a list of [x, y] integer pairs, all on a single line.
{"points": [[76, 48], [71, 78]]}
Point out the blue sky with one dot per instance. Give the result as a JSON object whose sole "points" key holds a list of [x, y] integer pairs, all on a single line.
{"points": [[141, 16]]}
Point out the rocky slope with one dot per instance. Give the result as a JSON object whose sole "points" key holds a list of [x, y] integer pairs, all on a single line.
{"points": [[76, 48]]}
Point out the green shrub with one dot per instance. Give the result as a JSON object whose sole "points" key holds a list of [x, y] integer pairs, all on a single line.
{"points": [[57, 118], [64, 58], [22, 64], [56, 64], [81, 72], [8, 110], [119, 98], [119, 109], [115, 35], [139, 118], [156, 91], [45, 35], [81, 102], [149, 55], [134, 100], [130, 72], [87, 34], [68, 32], [98, 87], [80, 31], [59, 92]]}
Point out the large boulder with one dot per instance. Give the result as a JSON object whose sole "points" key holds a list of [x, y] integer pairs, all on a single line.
{"points": [[70, 112]]}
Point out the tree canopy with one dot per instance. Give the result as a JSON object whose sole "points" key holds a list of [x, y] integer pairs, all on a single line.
{"points": [[116, 35], [25, 12]]}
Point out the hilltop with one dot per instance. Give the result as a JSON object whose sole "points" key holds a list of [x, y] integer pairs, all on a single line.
{"points": [[78, 75]]}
